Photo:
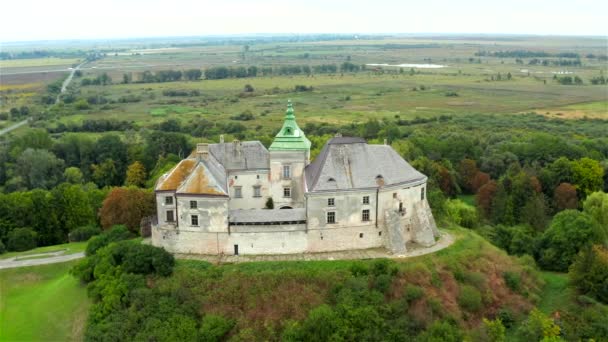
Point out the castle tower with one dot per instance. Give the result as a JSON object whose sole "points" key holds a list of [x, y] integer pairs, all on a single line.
{"points": [[289, 155]]}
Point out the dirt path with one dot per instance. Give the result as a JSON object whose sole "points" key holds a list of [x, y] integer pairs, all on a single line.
{"points": [[67, 81], [13, 127], [33, 260]]}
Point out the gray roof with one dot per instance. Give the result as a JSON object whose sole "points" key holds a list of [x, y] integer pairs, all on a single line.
{"points": [[246, 155], [267, 215], [350, 163]]}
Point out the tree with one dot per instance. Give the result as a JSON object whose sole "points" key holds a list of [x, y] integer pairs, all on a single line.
{"points": [[589, 272], [480, 179], [587, 175], [467, 169], [73, 206], [485, 198], [570, 230], [73, 175], [39, 168], [193, 74], [105, 174], [21, 239], [136, 175], [127, 206], [248, 88], [565, 197], [596, 205], [539, 327]]}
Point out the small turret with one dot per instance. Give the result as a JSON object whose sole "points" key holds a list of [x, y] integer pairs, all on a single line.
{"points": [[290, 137]]}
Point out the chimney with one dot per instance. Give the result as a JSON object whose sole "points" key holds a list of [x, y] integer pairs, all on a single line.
{"points": [[237, 147], [221, 138], [202, 151]]}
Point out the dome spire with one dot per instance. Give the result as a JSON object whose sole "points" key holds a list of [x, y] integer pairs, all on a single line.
{"points": [[289, 113]]}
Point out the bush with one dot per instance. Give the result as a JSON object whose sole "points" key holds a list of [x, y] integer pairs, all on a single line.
{"points": [[214, 328], [469, 298], [461, 213], [413, 292], [83, 233], [589, 272], [513, 280], [116, 233], [441, 331], [144, 259], [21, 239]]}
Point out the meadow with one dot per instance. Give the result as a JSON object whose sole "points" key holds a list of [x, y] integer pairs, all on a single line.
{"points": [[42, 303]]}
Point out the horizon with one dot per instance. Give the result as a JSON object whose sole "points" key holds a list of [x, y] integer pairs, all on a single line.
{"points": [[62, 20]]}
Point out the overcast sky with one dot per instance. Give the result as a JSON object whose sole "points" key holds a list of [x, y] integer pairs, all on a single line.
{"points": [[72, 19]]}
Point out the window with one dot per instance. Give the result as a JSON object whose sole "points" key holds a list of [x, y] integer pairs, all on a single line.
{"points": [[379, 233], [170, 217], [286, 172], [422, 194], [360, 235], [331, 202], [169, 200], [365, 215], [331, 217], [286, 192], [236, 177], [194, 220], [365, 199], [400, 207], [238, 192], [193, 204], [257, 176], [257, 191]]}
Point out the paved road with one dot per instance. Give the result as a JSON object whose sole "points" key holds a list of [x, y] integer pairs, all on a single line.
{"points": [[15, 126], [54, 258], [67, 81]]}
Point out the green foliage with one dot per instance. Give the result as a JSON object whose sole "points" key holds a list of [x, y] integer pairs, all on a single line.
{"points": [[21, 239], [494, 330], [587, 175], [413, 292], [269, 203], [114, 234], [441, 331], [513, 280], [470, 298], [539, 327], [2, 247], [214, 328], [589, 272], [569, 231], [461, 213], [596, 205], [83, 233]]}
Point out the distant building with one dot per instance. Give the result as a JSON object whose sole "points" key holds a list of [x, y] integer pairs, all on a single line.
{"points": [[352, 196]]}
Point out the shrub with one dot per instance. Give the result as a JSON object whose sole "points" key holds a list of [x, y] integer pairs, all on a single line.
{"points": [[21, 239], [538, 327], [461, 213], [116, 233], [214, 327], [494, 330], [144, 259], [506, 317], [513, 280], [589, 272], [83, 233], [441, 331], [469, 298], [413, 292]]}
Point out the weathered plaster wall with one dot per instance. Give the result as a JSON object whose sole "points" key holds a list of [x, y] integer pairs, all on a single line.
{"points": [[297, 160], [247, 180]]}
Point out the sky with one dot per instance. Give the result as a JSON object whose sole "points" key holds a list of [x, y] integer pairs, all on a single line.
{"points": [[24, 20]]}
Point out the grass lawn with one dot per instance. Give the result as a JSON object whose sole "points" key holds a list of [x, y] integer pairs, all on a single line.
{"points": [[555, 294], [468, 199], [42, 303], [70, 248]]}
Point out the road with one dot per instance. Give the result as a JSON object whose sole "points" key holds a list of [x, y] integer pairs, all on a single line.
{"points": [[15, 126], [67, 81], [52, 259]]}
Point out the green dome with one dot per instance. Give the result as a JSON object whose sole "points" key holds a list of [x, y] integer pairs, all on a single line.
{"points": [[290, 137]]}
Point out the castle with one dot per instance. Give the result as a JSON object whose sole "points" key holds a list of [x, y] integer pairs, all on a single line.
{"points": [[352, 196]]}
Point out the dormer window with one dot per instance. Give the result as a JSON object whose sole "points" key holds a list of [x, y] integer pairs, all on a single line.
{"points": [[287, 130], [331, 179]]}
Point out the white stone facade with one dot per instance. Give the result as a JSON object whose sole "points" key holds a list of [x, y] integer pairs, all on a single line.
{"points": [[352, 196]]}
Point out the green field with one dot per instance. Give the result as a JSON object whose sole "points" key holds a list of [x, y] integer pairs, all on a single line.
{"points": [[42, 303]]}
